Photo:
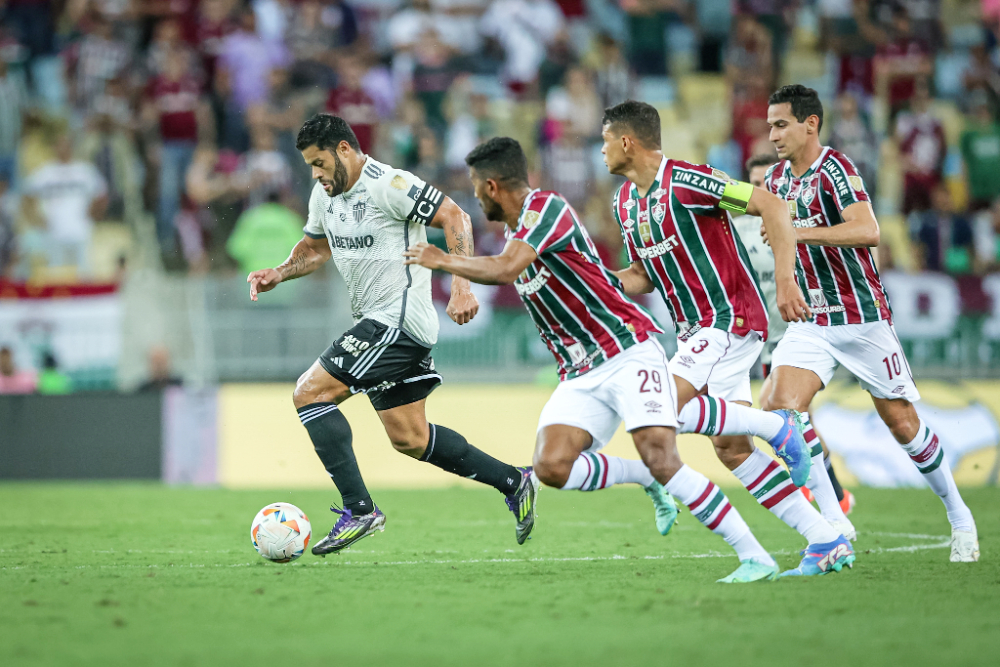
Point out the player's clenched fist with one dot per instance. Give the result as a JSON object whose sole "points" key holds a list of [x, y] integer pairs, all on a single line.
{"points": [[264, 280], [462, 307], [791, 303]]}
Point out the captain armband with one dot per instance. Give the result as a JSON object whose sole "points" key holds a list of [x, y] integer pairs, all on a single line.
{"points": [[428, 201], [736, 196]]}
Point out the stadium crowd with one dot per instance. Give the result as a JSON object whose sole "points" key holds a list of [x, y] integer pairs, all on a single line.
{"points": [[183, 112]]}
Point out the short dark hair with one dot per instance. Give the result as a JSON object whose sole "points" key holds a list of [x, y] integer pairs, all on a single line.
{"points": [[502, 159], [637, 118], [805, 102], [325, 131], [761, 160]]}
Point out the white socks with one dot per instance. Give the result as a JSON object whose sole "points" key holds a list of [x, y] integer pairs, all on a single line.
{"points": [[927, 454], [596, 471], [713, 416], [711, 507], [819, 481], [770, 484]]}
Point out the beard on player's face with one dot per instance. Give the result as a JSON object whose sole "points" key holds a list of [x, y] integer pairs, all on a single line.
{"points": [[338, 183], [491, 208]]}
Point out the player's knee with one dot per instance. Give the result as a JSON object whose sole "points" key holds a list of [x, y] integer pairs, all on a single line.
{"points": [[552, 471], [309, 390], [409, 445]]}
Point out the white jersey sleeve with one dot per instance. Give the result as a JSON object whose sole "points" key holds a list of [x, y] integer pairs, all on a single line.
{"points": [[405, 197], [762, 260], [318, 202]]}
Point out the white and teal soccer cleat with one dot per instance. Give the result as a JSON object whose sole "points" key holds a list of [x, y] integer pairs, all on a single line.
{"points": [[818, 559], [964, 546], [665, 506], [750, 571]]}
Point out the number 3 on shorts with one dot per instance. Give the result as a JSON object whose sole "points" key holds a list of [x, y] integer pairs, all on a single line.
{"points": [[650, 382]]}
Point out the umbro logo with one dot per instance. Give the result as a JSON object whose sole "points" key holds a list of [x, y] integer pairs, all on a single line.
{"points": [[901, 389], [653, 406], [685, 361]]}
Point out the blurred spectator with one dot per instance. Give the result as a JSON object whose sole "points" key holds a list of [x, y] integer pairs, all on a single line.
{"points": [[109, 144], [558, 59], [433, 75], [714, 24], [981, 74], [214, 22], [647, 27], [72, 195], [264, 172], [311, 44], [248, 59], [923, 148], [350, 101], [52, 381], [8, 231], [987, 239], [616, 81], [852, 135], [774, 16], [980, 145], [283, 112], [524, 29], [264, 236], [161, 374], [567, 166], [13, 103], [340, 19], [12, 380], [95, 60], [176, 112], [228, 116], [902, 58], [575, 105], [417, 18], [169, 43], [944, 238]]}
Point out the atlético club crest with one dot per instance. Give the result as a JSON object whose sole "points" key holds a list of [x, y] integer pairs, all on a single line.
{"points": [[359, 211], [659, 211]]}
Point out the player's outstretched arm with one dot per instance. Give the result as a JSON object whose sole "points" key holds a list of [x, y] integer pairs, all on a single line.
{"points": [[858, 230], [635, 280], [502, 269], [307, 256], [457, 226], [780, 234]]}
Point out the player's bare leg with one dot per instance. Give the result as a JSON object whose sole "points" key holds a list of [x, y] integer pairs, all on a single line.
{"points": [[794, 388], [411, 434], [562, 461], [926, 452], [844, 497]]}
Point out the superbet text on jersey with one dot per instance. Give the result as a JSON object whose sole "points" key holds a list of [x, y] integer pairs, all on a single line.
{"points": [[842, 284]]}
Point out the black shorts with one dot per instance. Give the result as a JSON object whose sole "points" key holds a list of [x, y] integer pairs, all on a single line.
{"points": [[386, 363]]}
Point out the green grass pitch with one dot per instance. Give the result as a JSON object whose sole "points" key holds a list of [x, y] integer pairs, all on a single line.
{"points": [[124, 574]]}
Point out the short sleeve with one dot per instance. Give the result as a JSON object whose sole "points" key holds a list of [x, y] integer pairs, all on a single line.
{"points": [[843, 182], [405, 196], [698, 186], [547, 225], [769, 178], [630, 252], [314, 223]]}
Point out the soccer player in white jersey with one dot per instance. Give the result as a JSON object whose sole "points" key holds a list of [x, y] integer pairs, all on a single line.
{"points": [[364, 214], [611, 368], [852, 321], [762, 258]]}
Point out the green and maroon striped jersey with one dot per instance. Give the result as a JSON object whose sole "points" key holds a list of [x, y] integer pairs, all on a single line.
{"points": [[575, 302], [687, 244], [842, 284]]}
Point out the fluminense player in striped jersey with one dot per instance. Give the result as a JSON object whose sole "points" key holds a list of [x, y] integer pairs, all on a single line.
{"points": [[611, 367], [676, 220], [852, 322], [762, 260]]}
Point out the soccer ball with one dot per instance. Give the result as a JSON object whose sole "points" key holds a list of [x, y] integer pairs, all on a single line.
{"points": [[280, 532]]}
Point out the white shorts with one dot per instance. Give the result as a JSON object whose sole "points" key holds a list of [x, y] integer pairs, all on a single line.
{"points": [[719, 360], [871, 352], [633, 386]]}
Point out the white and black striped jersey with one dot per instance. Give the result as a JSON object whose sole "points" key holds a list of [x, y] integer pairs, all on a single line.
{"points": [[762, 261], [368, 227]]}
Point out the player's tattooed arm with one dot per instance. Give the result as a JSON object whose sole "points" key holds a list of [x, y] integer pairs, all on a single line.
{"points": [[307, 256], [457, 226], [779, 233], [859, 229], [502, 269], [635, 280]]}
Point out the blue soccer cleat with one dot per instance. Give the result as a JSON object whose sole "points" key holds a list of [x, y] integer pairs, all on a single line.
{"points": [[791, 447], [820, 559], [665, 506], [749, 571]]}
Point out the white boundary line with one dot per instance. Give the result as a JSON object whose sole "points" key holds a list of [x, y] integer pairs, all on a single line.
{"points": [[942, 542]]}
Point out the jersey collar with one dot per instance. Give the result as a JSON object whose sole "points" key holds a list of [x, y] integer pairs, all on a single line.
{"points": [[634, 189], [812, 169], [347, 193]]}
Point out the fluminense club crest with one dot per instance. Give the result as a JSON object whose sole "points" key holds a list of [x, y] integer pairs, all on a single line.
{"points": [[808, 192], [659, 212]]}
